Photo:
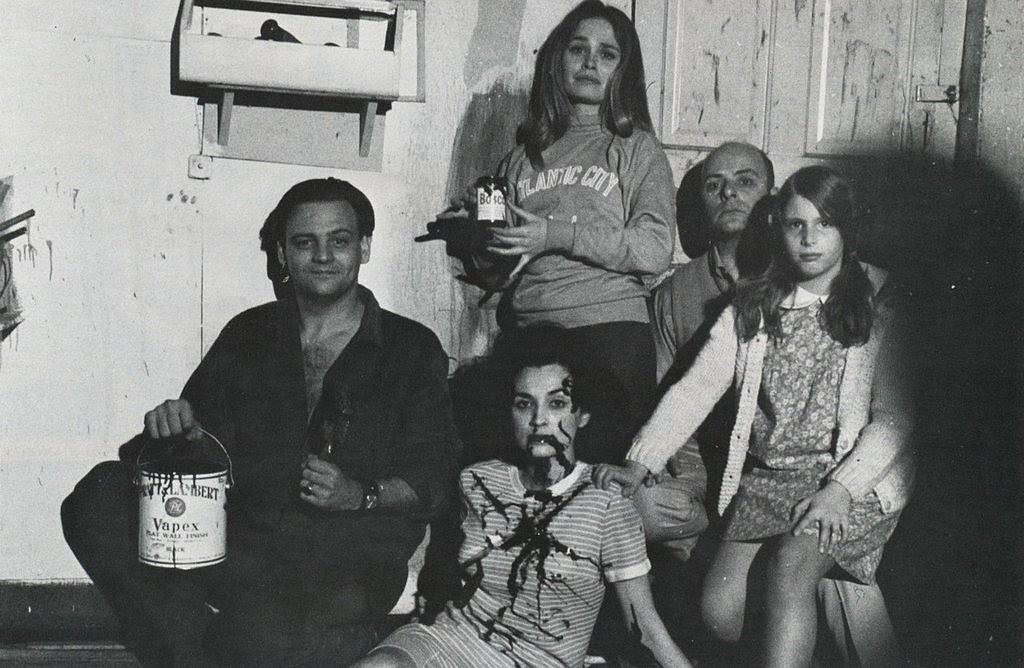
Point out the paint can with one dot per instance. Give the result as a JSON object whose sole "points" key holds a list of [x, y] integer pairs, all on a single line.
{"points": [[182, 518]]}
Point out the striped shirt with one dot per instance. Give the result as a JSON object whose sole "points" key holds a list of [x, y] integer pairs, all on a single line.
{"points": [[541, 561], [545, 561]]}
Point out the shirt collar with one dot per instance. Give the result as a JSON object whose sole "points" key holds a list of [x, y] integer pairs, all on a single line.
{"points": [[563, 485], [801, 298], [718, 270], [369, 327]]}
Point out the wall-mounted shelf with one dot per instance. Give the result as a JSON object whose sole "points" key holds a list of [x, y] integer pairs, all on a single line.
{"points": [[318, 100]]}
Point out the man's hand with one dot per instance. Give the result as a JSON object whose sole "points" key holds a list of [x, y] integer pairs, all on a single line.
{"points": [[826, 512], [173, 417], [326, 487], [630, 476]]}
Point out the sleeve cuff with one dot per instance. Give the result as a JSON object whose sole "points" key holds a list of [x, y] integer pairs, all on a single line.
{"points": [[561, 235], [857, 483], [647, 456], [628, 572]]}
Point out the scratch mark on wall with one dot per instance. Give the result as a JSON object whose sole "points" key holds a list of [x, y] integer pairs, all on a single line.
{"points": [[145, 367], [722, 29], [170, 196], [74, 198], [856, 115], [715, 60], [798, 6], [49, 252], [865, 91], [27, 253]]}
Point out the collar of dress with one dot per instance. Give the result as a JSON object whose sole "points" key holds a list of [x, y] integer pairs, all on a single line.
{"points": [[801, 298]]}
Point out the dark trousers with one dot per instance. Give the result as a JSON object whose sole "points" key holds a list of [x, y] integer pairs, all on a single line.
{"points": [[272, 609], [622, 359]]}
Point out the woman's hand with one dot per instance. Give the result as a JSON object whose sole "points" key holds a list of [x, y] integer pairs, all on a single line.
{"points": [[630, 476], [326, 487], [462, 206], [827, 511], [528, 238]]}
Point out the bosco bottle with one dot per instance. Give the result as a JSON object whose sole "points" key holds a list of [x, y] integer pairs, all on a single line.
{"points": [[491, 192], [490, 271]]}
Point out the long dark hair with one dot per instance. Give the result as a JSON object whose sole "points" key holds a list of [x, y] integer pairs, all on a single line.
{"points": [[847, 315], [624, 108]]}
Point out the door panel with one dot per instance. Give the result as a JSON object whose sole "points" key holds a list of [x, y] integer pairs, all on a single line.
{"points": [[716, 88], [807, 79], [875, 67]]}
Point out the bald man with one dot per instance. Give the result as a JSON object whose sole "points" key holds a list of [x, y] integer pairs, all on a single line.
{"points": [[734, 177]]}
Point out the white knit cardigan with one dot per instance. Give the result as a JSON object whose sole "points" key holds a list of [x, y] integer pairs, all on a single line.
{"points": [[875, 416]]}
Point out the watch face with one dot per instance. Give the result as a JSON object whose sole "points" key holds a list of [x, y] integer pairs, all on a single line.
{"points": [[371, 495]]}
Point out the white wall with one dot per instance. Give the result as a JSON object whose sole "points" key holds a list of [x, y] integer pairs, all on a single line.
{"points": [[131, 268], [1001, 126]]}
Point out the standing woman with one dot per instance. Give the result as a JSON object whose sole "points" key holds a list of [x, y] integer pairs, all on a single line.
{"points": [[594, 199], [819, 463]]}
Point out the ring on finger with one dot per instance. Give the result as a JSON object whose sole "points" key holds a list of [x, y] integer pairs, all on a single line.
{"points": [[308, 486]]}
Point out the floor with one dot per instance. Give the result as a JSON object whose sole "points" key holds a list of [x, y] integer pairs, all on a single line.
{"points": [[66, 654]]}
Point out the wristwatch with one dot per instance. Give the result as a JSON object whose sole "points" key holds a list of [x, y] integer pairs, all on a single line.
{"points": [[371, 495]]}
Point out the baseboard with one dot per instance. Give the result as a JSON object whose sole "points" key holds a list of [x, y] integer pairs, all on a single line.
{"points": [[54, 612], [81, 653]]}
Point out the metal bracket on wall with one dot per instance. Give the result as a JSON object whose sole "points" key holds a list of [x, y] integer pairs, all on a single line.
{"points": [[937, 93]]}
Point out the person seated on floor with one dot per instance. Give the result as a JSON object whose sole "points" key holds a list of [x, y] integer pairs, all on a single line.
{"points": [[336, 416], [540, 540]]}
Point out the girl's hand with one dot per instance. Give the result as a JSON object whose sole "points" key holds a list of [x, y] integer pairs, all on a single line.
{"points": [[827, 511], [630, 476]]}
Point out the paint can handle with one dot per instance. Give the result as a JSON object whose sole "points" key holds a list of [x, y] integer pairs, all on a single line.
{"points": [[231, 474]]}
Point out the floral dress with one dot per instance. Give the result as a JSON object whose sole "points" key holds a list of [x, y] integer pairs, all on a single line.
{"points": [[792, 445]]}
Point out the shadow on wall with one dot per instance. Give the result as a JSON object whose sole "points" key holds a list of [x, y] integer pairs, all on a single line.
{"points": [[953, 238], [485, 134], [693, 234]]}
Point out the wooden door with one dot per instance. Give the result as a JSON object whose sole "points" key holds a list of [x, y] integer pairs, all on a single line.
{"points": [[807, 79]]}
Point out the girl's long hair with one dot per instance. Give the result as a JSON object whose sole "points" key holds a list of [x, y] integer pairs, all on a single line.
{"points": [[624, 108], [847, 314]]}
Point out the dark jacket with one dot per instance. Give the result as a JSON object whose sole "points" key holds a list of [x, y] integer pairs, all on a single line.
{"points": [[384, 408]]}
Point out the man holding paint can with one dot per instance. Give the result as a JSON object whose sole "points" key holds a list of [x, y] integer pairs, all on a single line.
{"points": [[336, 417]]}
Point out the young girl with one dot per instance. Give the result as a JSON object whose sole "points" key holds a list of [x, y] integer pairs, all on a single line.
{"points": [[595, 202], [821, 434]]}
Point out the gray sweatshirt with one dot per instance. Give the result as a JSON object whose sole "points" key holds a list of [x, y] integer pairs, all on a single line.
{"points": [[612, 203]]}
